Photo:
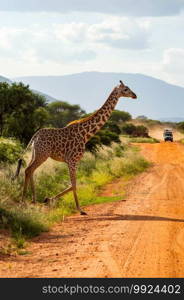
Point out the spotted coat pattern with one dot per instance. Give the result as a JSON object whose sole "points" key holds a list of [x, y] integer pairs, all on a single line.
{"points": [[68, 144]]}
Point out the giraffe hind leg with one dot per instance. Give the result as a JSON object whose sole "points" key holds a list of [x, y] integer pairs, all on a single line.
{"points": [[34, 164]]}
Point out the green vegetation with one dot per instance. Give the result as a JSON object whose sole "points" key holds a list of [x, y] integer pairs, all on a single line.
{"points": [[103, 137], [119, 116], [10, 150], [19, 109], [27, 220], [143, 140], [148, 122], [61, 113], [180, 126], [182, 141], [152, 123], [135, 131]]}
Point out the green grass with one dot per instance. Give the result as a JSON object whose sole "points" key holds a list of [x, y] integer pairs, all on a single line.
{"points": [[94, 172], [143, 140]]}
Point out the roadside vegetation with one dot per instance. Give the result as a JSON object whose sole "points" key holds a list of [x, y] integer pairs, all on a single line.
{"points": [[180, 127], [182, 141], [143, 140]]}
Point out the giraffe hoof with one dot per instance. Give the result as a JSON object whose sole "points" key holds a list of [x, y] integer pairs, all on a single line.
{"points": [[83, 213]]}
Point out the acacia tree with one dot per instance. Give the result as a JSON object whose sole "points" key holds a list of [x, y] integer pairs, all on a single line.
{"points": [[120, 116], [61, 113]]}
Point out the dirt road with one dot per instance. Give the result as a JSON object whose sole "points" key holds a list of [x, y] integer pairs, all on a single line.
{"points": [[140, 237]]}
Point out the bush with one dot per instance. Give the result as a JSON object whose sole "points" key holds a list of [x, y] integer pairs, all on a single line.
{"points": [[149, 140], [136, 131], [25, 222], [9, 151], [112, 126], [141, 131], [93, 144], [103, 137], [180, 126], [128, 128], [107, 137]]}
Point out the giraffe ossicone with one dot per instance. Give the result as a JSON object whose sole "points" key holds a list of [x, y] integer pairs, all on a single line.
{"points": [[67, 144]]}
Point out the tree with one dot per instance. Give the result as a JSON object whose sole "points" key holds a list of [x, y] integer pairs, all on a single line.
{"points": [[41, 117], [128, 128], [61, 113], [22, 113], [112, 126], [6, 104], [120, 116]]}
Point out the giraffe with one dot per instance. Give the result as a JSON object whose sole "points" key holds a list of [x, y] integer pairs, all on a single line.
{"points": [[67, 144]]}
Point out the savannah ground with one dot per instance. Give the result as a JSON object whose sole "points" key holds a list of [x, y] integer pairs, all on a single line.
{"points": [[141, 235]]}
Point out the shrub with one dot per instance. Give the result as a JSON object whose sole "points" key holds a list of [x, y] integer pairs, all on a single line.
{"points": [[9, 152], [93, 144], [112, 126], [103, 137], [128, 128], [180, 126], [23, 222], [136, 131], [141, 131], [149, 140], [107, 137]]}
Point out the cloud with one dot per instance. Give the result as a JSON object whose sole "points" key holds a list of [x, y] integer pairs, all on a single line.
{"points": [[173, 60], [115, 32], [71, 42], [126, 8], [40, 45], [124, 33], [173, 64]]}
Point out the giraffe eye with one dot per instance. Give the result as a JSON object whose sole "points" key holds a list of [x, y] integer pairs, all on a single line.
{"points": [[126, 90]]}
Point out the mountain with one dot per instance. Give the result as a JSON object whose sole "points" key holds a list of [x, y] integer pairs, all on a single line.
{"points": [[4, 79], [174, 120], [156, 98], [48, 98]]}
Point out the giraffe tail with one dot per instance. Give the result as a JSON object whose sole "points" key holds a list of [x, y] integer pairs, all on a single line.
{"points": [[20, 161], [18, 168]]}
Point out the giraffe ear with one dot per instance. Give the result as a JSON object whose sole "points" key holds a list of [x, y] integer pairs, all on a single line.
{"points": [[121, 82]]}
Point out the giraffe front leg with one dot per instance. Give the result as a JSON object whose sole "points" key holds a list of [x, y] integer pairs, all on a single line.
{"points": [[72, 170]]}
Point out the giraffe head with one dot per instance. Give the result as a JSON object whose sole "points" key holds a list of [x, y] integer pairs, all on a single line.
{"points": [[125, 91]]}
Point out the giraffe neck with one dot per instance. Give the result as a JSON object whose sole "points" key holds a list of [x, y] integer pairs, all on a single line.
{"points": [[99, 118]]}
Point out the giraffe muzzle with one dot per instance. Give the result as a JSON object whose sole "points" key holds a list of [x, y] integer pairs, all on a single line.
{"points": [[134, 96]]}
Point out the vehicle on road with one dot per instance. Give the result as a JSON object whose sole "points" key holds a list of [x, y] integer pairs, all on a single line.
{"points": [[168, 135]]}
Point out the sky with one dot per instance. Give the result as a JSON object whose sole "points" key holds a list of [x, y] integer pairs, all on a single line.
{"points": [[58, 37]]}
